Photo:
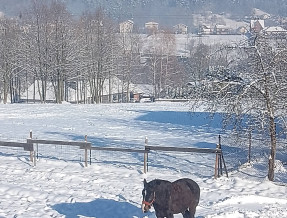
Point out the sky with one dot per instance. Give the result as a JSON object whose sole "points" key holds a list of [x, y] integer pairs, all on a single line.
{"points": [[110, 187]]}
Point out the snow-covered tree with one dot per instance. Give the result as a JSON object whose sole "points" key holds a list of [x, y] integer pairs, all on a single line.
{"points": [[161, 60], [9, 72], [251, 89], [99, 42], [128, 60]]}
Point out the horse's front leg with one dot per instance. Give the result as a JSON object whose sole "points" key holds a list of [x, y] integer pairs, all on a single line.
{"points": [[169, 215], [162, 215]]}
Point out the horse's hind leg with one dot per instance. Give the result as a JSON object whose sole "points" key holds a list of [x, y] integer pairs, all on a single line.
{"points": [[192, 211], [186, 214], [170, 215]]}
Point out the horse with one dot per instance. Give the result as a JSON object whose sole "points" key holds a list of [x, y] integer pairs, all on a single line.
{"points": [[168, 198]]}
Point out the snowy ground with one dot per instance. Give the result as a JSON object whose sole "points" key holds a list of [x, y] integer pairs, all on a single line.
{"points": [[60, 186]]}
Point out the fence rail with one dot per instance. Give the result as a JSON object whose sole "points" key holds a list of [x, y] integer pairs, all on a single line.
{"points": [[25, 146], [82, 145], [118, 149], [179, 149]]}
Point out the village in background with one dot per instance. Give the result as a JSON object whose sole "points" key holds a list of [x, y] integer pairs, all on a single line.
{"points": [[159, 70]]}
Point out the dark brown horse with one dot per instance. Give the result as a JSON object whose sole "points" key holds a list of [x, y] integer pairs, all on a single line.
{"points": [[181, 196]]}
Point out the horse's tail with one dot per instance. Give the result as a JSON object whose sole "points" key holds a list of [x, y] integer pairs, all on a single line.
{"points": [[194, 188]]}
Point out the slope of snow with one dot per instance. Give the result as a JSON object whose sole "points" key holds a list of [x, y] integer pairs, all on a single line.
{"points": [[111, 186]]}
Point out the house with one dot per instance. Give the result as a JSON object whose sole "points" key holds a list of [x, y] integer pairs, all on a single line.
{"points": [[180, 29], [205, 30], [126, 26], [241, 30], [34, 90], [256, 25], [220, 29], [141, 91], [151, 27], [274, 30]]}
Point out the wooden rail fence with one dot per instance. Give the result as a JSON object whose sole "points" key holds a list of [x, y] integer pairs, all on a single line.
{"points": [[219, 160], [82, 145], [87, 147], [25, 146]]}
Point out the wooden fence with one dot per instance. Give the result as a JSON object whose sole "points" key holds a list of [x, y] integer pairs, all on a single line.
{"points": [[25, 146], [82, 145], [87, 147], [219, 159]]}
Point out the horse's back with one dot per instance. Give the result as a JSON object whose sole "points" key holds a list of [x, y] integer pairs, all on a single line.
{"points": [[188, 185]]}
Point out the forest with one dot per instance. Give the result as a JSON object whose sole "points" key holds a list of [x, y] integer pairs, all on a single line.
{"points": [[46, 45]]}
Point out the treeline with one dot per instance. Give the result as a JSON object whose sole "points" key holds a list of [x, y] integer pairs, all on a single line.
{"points": [[46, 46]]}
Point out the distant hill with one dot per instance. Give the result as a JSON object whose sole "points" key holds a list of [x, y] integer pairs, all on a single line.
{"points": [[169, 12]]}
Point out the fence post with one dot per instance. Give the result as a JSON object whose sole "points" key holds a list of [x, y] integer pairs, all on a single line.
{"points": [[146, 156], [249, 147], [86, 152], [216, 163], [32, 157], [90, 150], [220, 157]]}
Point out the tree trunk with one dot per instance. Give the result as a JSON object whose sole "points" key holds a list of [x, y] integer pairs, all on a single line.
{"points": [[271, 162]]}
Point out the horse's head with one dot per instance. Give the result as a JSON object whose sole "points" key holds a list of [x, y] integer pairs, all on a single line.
{"points": [[148, 196]]}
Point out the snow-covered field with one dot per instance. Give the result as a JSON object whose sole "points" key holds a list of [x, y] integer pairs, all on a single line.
{"points": [[111, 186]]}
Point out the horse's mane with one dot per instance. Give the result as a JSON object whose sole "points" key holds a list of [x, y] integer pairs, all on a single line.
{"points": [[157, 182]]}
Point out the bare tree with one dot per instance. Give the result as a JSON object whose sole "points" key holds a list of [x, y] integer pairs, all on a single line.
{"points": [[251, 88], [128, 59], [161, 55], [99, 39], [48, 47], [36, 45], [62, 49], [8, 67]]}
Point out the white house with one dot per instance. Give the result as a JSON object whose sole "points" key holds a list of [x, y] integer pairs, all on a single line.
{"points": [[220, 29], [180, 28], [205, 29], [151, 27], [126, 26]]}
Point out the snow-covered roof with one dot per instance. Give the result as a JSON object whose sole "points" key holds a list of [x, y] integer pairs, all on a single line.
{"points": [[220, 26], [142, 88], [127, 22], [274, 29], [180, 25], [258, 12], [151, 23]]}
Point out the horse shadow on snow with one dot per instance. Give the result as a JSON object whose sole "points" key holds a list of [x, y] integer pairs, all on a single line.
{"points": [[100, 208]]}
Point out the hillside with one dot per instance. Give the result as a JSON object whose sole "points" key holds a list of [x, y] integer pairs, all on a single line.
{"points": [[164, 11]]}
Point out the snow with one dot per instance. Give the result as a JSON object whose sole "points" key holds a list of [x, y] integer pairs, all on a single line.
{"points": [[111, 186]]}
